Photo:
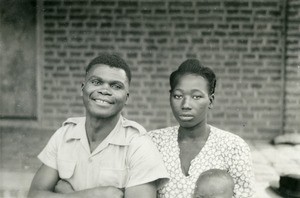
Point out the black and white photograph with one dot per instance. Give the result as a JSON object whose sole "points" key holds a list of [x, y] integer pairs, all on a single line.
{"points": [[150, 98]]}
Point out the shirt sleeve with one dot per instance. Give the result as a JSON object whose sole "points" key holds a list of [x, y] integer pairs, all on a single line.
{"points": [[48, 156], [240, 168], [155, 138], [145, 163]]}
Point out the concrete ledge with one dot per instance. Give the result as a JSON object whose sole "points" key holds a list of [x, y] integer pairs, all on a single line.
{"points": [[15, 184], [13, 180]]}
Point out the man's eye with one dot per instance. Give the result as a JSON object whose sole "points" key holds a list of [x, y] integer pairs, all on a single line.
{"points": [[96, 82], [116, 86]]}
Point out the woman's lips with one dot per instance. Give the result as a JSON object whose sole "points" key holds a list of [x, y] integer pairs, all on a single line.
{"points": [[186, 117]]}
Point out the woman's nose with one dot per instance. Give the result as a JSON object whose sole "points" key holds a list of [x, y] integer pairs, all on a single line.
{"points": [[186, 103]]}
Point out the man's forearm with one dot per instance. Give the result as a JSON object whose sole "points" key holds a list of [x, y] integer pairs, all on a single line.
{"points": [[63, 186], [103, 192], [34, 193], [148, 190]]}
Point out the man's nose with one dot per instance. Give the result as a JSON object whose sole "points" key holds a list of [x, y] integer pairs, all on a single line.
{"points": [[104, 89]]}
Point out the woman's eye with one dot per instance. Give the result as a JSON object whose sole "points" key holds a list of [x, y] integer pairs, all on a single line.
{"points": [[177, 96], [196, 97]]}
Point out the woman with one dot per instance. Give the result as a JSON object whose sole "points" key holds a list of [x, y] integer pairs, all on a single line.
{"points": [[195, 146]]}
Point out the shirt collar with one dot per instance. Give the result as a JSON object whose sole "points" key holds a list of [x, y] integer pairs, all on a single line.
{"points": [[78, 130], [117, 136], [120, 134]]}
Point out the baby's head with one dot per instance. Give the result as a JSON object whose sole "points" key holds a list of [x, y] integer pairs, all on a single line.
{"points": [[214, 183]]}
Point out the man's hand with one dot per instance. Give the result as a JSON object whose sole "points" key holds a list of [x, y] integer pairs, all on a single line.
{"points": [[109, 192], [64, 187], [47, 180]]}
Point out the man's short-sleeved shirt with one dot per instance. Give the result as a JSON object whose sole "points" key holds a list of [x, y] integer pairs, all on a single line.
{"points": [[126, 157]]}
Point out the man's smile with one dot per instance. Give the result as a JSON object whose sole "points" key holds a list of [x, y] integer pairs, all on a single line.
{"points": [[103, 101]]}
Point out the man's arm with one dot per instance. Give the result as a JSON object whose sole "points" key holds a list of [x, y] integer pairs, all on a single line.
{"points": [[46, 178], [44, 182], [63, 187], [147, 190]]}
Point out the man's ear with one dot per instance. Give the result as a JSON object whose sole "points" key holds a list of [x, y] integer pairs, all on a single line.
{"points": [[127, 96], [82, 86], [211, 101]]}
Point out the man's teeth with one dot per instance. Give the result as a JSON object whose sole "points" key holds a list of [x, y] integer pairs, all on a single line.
{"points": [[101, 101]]}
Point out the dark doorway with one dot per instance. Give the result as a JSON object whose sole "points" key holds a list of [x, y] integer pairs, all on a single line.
{"points": [[18, 71]]}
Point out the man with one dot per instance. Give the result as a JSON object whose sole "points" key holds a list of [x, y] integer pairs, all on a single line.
{"points": [[102, 154]]}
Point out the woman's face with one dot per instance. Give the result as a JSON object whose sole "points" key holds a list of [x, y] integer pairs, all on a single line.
{"points": [[190, 100]]}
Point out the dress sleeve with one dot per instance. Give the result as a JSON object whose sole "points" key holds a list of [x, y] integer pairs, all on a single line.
{"points": [[145, 163], [240, 168], [48, 156]]}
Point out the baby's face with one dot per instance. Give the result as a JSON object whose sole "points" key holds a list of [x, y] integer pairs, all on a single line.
{"points": [[213, 189]]}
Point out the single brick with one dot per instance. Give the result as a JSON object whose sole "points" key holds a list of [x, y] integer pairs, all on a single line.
{"points": [[75, 3], [52, 3], [78, 17], [180, 4], [55, 17], [102, 3], [264, 4], [201, 26], [208, 4], [128, 4], [236, 4], [76, 10], [155, 3], [106, 11]]}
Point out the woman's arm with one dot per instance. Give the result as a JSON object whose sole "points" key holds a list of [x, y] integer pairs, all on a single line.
{"points": [[241, 170]]}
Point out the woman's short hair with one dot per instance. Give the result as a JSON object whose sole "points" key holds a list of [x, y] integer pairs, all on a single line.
{"points": [[112, 60], [194, 66]]}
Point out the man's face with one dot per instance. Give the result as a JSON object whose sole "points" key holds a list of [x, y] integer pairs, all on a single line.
{"points": [[105, 91]]}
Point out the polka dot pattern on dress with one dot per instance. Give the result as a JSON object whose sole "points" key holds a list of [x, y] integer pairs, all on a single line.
{"points": [[222, 150]]}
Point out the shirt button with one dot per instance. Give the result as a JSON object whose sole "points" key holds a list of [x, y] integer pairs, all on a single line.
{"points": [[90, 160]]}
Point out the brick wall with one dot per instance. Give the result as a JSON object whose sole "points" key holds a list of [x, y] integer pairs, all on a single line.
{"points": [[292, 99], [241, 40]]}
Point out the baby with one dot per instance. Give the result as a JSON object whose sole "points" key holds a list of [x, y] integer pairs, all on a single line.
{"points": [[214, 183]]}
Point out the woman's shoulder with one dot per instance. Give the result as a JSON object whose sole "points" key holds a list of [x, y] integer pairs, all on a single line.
{"points": [[163, 131], [163, 135], [227, 137]]}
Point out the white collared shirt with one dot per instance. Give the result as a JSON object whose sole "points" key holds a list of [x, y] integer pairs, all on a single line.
{"points": [[126, 157]]}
